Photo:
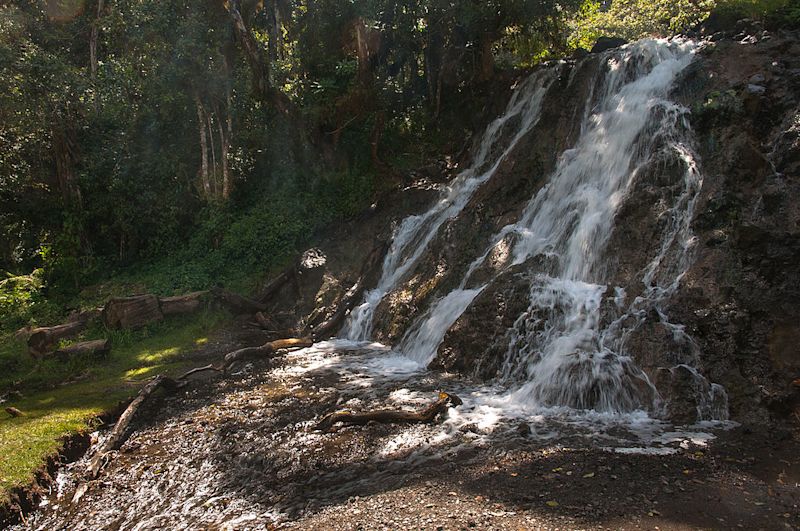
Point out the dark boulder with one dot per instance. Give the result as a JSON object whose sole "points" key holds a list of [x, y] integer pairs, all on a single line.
{"points": [[607, 43]]}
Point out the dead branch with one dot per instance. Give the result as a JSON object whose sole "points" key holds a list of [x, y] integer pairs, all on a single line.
{"points": [[277, 283], [389, 416], [266, 349], [198, 370], [236, 303], [115, 437]]}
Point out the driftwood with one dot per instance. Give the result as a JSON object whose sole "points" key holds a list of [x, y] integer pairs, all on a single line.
{"points": [[188, 303], [389, 416], [266, 349], [42, 339], [236, 303], [132, 312], [99, 348]]}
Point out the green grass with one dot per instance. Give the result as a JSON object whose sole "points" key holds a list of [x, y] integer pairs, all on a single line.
{"points": [[62, 399]]}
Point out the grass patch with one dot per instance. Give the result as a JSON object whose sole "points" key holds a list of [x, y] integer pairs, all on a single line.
{"points": [[63, 398]]}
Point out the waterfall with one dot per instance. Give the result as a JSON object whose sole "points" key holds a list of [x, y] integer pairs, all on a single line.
{"points": [[413, 235], [567, 348]]}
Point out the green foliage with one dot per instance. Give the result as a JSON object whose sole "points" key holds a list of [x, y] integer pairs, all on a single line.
{"points": [[63, 398], [634, 19], [23, 301], [778, 12]]}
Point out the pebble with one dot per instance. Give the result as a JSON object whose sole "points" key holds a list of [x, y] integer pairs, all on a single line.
{"points": [[757, 90]]}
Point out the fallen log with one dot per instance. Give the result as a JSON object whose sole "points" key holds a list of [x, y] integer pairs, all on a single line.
{"points": [[42, 339], [266, 349], [99, 349], [275, 285], [84, 316], [236, 303], [132, 312], [181, 304], [114, 439], [389, 416]]}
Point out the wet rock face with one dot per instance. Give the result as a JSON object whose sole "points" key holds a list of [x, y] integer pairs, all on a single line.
{"points": [[737, 302], [477, 344], [497, 203], [739, 299]]}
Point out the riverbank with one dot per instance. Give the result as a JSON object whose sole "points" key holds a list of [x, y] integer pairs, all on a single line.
{"points": [[61, 404]]}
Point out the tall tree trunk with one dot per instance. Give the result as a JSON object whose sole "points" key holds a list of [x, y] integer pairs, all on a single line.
{"points": [[273, 45], [262, 84], [93, 52], [201, 127], [223, 141], [434, 50], [485, 57], [214, 173], [65, 153], [260, 67], [227, 184]]}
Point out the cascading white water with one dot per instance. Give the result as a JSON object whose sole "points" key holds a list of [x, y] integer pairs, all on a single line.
{"points": [[559, 351], [415, 232]]}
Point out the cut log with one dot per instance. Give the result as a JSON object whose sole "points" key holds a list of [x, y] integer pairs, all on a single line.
{"points": [[99, 349], [132, 312], [115, 437], [236, 303], [266, 349], [188, 303], [42, 339], [389, 416]]}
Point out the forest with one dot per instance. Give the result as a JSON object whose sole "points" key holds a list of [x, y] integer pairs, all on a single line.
{"points": [[174, 147], [188, 143]]}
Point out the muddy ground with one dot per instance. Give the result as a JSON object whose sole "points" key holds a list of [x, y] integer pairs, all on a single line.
{"points": [[240, 453]]}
